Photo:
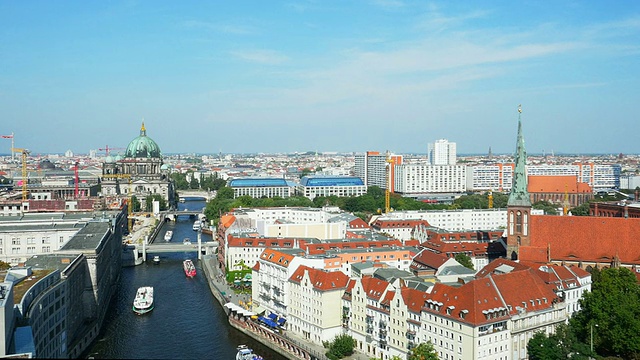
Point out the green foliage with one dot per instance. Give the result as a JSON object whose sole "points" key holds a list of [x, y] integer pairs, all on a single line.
{"points": [[180, 181], [341, 346], [305, 172], [611, 312], [424, 351], [4, 265], [563, 344], [549, 208], [151, 198], [481, 201], [581, 210], [194, 183], [135, 204], [464, 260]]}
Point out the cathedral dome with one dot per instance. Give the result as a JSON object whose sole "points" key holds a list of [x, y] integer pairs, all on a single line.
{"points": [[143, 147]]}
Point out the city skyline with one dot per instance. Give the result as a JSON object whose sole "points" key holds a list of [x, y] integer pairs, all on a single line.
{"points": [[296, 76]]}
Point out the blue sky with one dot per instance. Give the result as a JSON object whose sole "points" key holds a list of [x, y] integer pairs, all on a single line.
{"points": [[285, 76]]}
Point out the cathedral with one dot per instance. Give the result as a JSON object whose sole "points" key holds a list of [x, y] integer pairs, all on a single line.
{"points": [[140, 172]]}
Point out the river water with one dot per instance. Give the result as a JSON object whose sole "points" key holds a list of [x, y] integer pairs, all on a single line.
{"points": [[187, 321]]}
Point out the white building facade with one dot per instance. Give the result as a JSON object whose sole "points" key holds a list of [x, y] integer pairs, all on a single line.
{"points": [[421, 179], [442, 152]]}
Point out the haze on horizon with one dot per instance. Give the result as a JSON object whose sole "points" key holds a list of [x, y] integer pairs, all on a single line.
{"points": [[286, 76]]}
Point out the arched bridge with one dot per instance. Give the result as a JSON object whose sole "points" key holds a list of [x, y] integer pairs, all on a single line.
{"points": [[207, 195]]}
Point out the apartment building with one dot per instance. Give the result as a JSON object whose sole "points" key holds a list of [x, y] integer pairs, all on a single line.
{"points": [[414, 179], [441, 152], [324, 186], [372, 167]]}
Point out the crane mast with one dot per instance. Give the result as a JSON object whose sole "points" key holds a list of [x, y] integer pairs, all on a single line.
{"points": [[387, 192], [25, 175]]}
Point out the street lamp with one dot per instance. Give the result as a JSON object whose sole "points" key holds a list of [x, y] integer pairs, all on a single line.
{"points": [[592, 337]]}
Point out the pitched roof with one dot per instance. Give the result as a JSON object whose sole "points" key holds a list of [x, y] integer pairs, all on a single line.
{"points": [[584, 238], [277, 257], [373, 287], [557, 184], [320, 279], [414, 299], [227, 220], [428, 259]]}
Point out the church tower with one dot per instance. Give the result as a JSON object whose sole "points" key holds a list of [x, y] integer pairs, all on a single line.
{"points": [[519, 203]]}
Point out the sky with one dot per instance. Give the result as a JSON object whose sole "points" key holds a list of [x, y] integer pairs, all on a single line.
{"points": [[327, 76]]}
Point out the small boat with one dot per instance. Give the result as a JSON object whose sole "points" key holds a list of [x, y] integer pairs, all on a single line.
{"points": [[143, 303], [156, 259], [182, 200], [186, 241], [244, 353], [189, 268], [197, 225], [168, 235]]}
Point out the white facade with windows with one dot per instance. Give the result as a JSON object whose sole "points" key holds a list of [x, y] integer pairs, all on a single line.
{"points": [[421, 179], [455, 220], [442, 152], [371, 167]]}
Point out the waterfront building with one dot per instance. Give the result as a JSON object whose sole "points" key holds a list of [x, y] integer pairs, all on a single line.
{"points": [[441, 152], [416, 179], [372, 167], [315, 296], [38, 233], [67, 293], [257, 187], [140, 172], [325, 186]]}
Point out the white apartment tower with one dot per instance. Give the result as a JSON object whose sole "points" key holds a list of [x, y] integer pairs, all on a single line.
{"points": [[372, 166], [442, 152]]}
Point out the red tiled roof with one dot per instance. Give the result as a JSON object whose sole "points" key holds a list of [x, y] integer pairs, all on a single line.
{"points": [[227, 220], [399, 224], [276, 257], [556, 184], [430, 259], [413, 298], [320, 279], [586, 238], [358, 223], [373, 287], [490, 268]]}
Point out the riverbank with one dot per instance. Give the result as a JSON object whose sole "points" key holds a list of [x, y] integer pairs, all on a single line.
{"points": [[287, 345]]}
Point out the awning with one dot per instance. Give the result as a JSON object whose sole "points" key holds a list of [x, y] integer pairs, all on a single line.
{"points": [[281, 321], [272, 316], [259, 310]]}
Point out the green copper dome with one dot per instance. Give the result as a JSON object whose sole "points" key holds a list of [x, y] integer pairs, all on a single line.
{"points": [[143, 146]]}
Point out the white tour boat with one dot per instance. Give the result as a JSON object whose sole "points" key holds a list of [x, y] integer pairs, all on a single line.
{"points": [[244, 353], [197, 225], [156, 259], [143, 303], [168, 235]]}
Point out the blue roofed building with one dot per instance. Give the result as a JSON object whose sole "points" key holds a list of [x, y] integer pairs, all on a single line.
{"points": [[342, 186], [258, 187]]}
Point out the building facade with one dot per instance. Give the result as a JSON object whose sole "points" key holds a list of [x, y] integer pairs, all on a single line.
{"points": [[325, 186], [413, 179], [260, 187], [442, 152]]}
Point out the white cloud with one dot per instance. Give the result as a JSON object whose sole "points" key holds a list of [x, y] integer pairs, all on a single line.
{"points": [[267, 57]]}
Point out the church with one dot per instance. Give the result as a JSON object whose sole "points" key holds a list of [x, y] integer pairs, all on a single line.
{"points": [[140, 172], [584, 241]]}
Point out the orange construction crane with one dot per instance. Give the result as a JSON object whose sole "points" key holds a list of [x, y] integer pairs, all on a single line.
{"points": [[25, 175], [107, 149], [387, 192]]}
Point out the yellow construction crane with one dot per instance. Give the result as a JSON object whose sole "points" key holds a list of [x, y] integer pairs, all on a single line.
{"points": [[566, 204], [25, 175], [490, 196], [388, 191], [129, 199]]}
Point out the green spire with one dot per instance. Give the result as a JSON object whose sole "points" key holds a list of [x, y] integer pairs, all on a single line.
{"points": [[519, 195]]}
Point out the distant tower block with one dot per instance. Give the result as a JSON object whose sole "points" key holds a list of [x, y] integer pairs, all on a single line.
{"points": [[490, 156]]}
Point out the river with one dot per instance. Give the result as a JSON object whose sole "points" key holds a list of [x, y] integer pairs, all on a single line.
{"points": [[186, 323]]}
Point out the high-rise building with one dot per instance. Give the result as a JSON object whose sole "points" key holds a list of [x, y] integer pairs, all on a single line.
{"points": [[442, 152], [371, 167]]}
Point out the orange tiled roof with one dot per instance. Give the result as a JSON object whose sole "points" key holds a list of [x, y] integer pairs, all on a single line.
{"points": [[556, 184], [227, 220], [320, 279], [276, 257], [586, 238], [373, 287], [413, 298], [430, 259]]}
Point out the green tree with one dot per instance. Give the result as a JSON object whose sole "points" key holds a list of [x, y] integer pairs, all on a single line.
{"points": [[135, 204], [581, 210], [224, 193], [4, 265], [562, 344], [423, 351], [194, 183], [464, 260], [549, 208], [341, 346], [180, 181], [155, 197], [611, 314]]}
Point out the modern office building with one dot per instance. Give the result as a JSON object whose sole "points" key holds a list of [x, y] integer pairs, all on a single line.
{"points": [[442, 152], [414, 179], [341, 186], [259, 187], [372, 166]]}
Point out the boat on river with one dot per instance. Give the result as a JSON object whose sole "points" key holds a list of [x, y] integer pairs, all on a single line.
{"points": [[186, 241], [156, 259], [189, 268], [143, 303], [244, 353], [197, 225], [168, 235]]}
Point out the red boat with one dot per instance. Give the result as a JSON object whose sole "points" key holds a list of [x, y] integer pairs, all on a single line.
{"points": [[189, 268]]}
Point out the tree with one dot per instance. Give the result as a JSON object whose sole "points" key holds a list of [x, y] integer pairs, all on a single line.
{"points": [[562, 344], [581, 210], [4, 265], [423, 351], [135, 204], [464, 260], [155, 197], [341, 346], [180, 181], [549, 208], [610, 314]]}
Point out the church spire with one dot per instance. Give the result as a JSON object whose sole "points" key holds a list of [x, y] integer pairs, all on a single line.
{"points": [[519, 195]]}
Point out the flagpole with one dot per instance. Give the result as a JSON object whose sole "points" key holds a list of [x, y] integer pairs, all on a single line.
{"points": [[12, 146]]}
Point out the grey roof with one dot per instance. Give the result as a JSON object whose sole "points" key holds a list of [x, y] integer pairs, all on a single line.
{"points": [[390, 274], [88, 238], [456, 270], [51, 261]]}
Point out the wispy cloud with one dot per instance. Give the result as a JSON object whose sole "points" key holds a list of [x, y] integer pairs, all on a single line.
{"points": [[266, 57], [389, 4], [219, 28]]}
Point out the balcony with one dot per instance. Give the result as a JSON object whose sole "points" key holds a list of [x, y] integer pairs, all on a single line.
{"points": [[369, 330], [382, 324], [382, 332], [369, 319], [411, 345], [411, 335]]}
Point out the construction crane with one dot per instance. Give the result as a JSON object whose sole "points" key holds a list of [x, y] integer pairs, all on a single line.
{"points": [[107, 149], [388, 191], [25, 175], [490, 196], [129, 199], [566, 204]]}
